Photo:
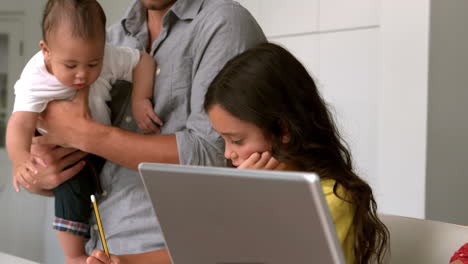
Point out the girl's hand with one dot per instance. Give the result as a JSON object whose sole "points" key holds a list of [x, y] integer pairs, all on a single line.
{"points": [[99, 257], [261, 161]]}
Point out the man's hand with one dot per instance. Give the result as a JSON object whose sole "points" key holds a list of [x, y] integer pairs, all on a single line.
{"points": [[56, 160], [62, 119], [261, 161]]}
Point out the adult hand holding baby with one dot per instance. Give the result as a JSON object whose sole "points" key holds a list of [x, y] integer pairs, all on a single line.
{"points": [[63, 120]]}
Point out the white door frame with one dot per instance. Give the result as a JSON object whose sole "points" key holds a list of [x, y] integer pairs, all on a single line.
{"points": [[12, 25]]}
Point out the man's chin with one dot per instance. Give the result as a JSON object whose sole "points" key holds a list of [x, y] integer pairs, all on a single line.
{"points": [[159, 6]]}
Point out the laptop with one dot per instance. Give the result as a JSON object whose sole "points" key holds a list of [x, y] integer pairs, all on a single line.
{"points": [[232, 216]]}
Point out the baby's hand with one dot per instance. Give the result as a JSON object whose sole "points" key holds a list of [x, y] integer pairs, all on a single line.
{"points": [[145, 117], [23, 173], [261, 161]]}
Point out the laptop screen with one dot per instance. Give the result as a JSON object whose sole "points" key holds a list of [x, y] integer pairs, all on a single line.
{"points": [[227, 216]]}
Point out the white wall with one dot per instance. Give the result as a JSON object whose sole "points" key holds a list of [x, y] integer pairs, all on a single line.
{"points": [[338, 44], [402, 123], [8, 6], [115, 9], [370, 60]]}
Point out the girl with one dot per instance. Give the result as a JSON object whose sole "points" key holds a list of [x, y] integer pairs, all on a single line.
{"points": [[271, 116]]}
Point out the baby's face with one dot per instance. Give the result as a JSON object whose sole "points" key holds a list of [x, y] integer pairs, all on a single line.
{"points": [[75, 62]]}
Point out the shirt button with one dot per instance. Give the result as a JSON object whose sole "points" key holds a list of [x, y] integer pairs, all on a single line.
{"points": [[128, 119], [158, 71], [104, 193], [95, 227]]}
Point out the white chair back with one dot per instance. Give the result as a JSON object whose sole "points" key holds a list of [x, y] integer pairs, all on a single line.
{"points": [[417, 241]]}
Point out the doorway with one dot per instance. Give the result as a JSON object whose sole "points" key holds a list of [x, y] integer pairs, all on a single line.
{"points": [[11, 63]]}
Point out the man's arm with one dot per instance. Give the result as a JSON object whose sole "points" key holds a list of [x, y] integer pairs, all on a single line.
{"points": [[123, 147], [76, 129]]}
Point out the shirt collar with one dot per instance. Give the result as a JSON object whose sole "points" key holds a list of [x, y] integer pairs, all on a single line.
{"points": [[187, 9], [135, 16]]}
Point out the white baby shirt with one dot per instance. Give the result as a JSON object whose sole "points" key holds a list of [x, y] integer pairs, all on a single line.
{"points": [[37, 87]]}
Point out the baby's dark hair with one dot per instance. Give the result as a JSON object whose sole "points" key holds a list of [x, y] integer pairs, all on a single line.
{"points": [[85, 18]]}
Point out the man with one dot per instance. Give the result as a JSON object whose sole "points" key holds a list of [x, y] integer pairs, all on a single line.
{"points": [[191, 40]]}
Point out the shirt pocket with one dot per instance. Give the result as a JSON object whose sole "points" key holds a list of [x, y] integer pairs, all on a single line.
{"points": [[181, 75], [181, 84]]}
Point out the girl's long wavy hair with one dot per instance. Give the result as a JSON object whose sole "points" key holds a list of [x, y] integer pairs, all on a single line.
{"points": [[269, 87]]}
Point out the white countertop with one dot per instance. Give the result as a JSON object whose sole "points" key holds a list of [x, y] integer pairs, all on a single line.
{"points": [[6, 258]]}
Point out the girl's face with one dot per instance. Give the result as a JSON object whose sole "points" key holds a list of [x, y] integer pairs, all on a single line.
{"points": [[242, 138]]}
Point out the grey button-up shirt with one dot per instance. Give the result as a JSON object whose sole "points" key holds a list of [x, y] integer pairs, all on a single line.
{"points": [[198, 37]]}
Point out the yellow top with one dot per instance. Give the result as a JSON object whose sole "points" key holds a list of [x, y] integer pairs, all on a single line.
{"points": [[342, 213]]}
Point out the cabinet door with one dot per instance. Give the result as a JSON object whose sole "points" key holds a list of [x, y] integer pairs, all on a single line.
{"points": [[343, 14], [280, 18]]}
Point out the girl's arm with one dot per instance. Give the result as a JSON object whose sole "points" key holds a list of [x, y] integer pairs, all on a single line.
{"points": [[20, 130]]}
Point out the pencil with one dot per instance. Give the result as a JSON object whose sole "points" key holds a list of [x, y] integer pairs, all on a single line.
{"points": [[101, 229]]}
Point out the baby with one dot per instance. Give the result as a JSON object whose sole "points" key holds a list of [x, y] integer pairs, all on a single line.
{"points": [[73, 57]]}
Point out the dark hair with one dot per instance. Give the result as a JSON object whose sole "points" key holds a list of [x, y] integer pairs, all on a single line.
{"points": [[85, 18], [269, 87]]}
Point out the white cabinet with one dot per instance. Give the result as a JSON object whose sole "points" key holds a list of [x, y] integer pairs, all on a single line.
{"points": [[305, 48], [279, 17], [345, 14], [348, 65], [349, 83], [345, 67]]}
